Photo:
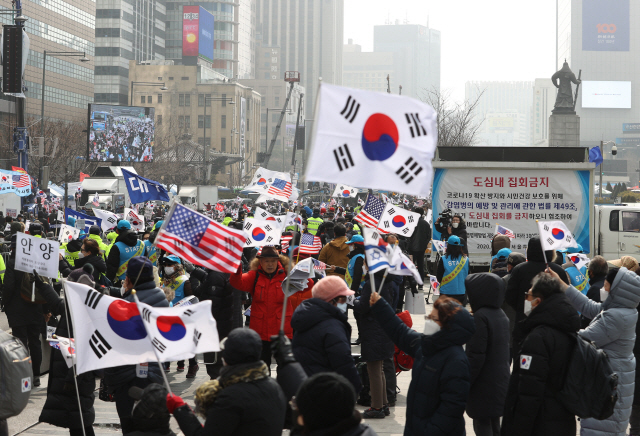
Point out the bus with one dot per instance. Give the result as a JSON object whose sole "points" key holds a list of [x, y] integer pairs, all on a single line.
{"points": [[101, 120]]}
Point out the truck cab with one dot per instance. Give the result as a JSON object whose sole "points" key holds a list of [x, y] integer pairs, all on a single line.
{"points": [[617, 230]]}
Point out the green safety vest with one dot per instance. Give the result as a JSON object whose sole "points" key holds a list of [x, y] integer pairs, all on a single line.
{"points": [[103, 247], [356, 229], [226, 221], [313, 224]]}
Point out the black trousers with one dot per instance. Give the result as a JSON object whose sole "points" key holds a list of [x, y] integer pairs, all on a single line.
{"points": [[389, 370], [486, 426], [30, 337], [266, 353], [462, 298], [124, 403], [78, 431], [418, 260], [213, 363]]}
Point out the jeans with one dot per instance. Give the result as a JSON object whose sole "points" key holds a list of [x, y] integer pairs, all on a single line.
{"points": [[377, 384], [486, 426], [30, 337], [634, 420]]}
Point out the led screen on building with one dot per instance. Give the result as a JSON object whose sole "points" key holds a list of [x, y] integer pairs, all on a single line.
{"points": [[610, 95], [605, 25], [205, 42], [197, 32]]}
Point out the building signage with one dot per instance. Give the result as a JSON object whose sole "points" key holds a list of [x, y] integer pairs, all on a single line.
{"points": [[190, 21], [605, 25], [628, 141], [630, 127]]}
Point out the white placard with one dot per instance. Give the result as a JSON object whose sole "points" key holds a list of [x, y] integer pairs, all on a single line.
{"points": [[80, 224], [12, 213], [67, 233], [60, 216], [37, 253]]}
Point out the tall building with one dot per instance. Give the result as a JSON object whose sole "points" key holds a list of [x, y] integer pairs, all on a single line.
{"points": [[310, 37], [595, 36], [368, 70], [504, 111], [125, 30], [544, 97], [233, 37], [63, 27], [416, 51]]}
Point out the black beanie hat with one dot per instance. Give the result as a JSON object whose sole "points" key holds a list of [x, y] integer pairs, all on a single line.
{"points": [[611, 275], [325, 399], [241, 346]]}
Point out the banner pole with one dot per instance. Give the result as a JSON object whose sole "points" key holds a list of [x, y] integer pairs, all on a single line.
{"points": [[67, 314]]}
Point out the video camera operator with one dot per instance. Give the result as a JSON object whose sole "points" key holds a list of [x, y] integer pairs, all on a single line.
{"points": [[448, 225]]}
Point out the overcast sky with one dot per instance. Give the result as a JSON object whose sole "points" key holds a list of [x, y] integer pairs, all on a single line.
{"points": [[502, 40]]}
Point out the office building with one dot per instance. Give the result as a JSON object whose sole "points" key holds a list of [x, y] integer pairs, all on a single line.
{"points": [[197, 109], [416, 56], [309, 35], [125, 30], [368, 70], [544, 97], [67, 26], [504, 108]]}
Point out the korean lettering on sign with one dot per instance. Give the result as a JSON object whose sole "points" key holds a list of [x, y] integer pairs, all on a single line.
{"points": [[36, 253]]}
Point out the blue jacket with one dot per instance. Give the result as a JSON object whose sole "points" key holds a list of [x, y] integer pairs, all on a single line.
{"points": [[321, 340], [440, 376], [578, 279], [456, 286]]}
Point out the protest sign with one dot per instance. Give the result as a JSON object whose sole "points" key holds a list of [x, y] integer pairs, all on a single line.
{"points": [[60, 216], [68, 233], [12, 213], [37, 253]]}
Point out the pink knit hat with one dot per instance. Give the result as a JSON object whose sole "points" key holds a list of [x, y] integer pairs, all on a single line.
{"points": [[329, 288]]}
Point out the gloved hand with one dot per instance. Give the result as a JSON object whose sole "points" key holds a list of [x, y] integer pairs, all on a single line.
{"points": [[173, 402], [282, 350], [188, 266], [38, 280]]}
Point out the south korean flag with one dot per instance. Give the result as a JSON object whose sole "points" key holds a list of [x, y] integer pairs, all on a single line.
{"points": [[67, 234], [373, 140], [261, 232], [395, 219], [136, 220], [344, 191]]}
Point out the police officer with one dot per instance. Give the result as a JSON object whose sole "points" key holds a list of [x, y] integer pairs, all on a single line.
{"points": [[127, 245]]}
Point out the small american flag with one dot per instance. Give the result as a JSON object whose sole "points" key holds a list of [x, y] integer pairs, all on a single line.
{"points": [[371, 212], [20, 181], [319, 265], [280, 188], [284, 242], [201, 241], [500, 230], [310, 244]]}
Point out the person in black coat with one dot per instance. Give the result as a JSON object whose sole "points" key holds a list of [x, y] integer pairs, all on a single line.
{"points": [[522, 275], [90, 252], [440, 376], [418, 242], [61, 406], [598, 269], [321, 332], [375, 345], [244, 400], [488, 353], [543, 345], [457, 228]]}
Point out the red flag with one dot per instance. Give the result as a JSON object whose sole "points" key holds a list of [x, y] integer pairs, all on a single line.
{"points": [[83, 176], [18, 169], [219, 207]]}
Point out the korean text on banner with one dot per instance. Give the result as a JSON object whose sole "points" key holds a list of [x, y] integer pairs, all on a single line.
{"points": [[37, 253]]}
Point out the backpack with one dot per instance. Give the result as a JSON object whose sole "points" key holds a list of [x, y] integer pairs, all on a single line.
{"points": [[16, 376], [590, 387]]}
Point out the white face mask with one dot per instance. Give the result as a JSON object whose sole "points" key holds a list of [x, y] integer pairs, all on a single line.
{"points": [[123, 290], [80, 255], [455, 225], [603, 295], [430, 327], [527, 307], [342, 306], [350, 248], [169, 270]]}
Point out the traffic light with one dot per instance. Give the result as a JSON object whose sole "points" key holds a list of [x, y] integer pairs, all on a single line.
{"points": [[12, 59]]}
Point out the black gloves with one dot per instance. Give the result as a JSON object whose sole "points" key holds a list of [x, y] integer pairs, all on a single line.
{"points": [[282, 350], [188, 266], [38, 281]]}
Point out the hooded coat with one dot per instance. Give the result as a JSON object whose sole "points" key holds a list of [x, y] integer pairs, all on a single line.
{"points": [[613, 329], [214, 286], [335, 253], [488, 348], [420, 238], [267, 298], [543, 346], [522, 275], [440, 376], [322, 340]]}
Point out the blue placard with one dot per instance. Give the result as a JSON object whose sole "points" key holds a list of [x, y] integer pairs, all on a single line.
{"points": [[205, 38]]}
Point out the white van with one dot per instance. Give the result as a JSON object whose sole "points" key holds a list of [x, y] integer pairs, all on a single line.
{"points": [[617, 231]]}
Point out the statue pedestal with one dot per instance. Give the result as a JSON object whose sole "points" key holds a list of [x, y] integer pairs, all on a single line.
{"points": [[564, 130]]}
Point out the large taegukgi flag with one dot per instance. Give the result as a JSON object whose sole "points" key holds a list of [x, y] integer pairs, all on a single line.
{"points": [[373, 140]]}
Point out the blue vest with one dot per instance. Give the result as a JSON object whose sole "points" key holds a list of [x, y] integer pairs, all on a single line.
{"points": [[150, 252], [351, 266], [455, 286], [177, 286], [578, 279], [126, 253]]}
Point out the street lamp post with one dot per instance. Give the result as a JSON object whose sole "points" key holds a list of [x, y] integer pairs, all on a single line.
{"points": [[162, 86], [204, 126]]}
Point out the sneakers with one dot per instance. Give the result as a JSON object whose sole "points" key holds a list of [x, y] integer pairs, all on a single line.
{"points": [[180, 368], [193, 369], [372, 413], [36, 381], [165, 366], [386, 410]]}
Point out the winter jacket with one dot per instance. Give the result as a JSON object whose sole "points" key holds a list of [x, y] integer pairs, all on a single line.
{"points": [[420, 238], [267, 298], [99, 266], [543, 348], [375, 344], [128, 238], [593, 293], [613, 329], [61, 406], [347, 427], [460, 232], [335, 253], [488, 348], [440, 376], [215, 286], [522, 275], [322, 340], [241, 409], [636, 354], [19, 311]]}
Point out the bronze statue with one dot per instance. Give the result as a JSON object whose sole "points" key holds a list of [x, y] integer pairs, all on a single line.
{"points": [[565, 101]]}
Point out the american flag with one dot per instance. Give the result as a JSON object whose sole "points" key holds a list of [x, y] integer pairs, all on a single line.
{"points": [[201, 241], [20, 181], [310, 244], [280, 188], [284, 242], [500, 230], [319, 265], [371, 212]]}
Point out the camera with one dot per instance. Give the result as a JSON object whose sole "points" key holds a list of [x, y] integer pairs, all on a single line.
{"points": [[446, 218]]}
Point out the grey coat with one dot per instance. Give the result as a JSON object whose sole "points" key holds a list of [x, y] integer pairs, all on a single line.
{"points": [[613, 329]]}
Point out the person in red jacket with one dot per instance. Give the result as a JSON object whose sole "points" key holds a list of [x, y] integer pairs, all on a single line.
{"points": [[264, 282]]}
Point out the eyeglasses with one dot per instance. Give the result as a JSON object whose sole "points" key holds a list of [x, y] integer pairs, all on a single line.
{"points": [[528, 295]]}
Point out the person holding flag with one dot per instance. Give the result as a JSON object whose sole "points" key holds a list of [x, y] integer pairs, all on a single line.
{"points": [[453, 269]]}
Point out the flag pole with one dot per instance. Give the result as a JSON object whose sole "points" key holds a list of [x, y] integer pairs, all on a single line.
{"points": [[544, 254], [286, 286], [155, 351]]}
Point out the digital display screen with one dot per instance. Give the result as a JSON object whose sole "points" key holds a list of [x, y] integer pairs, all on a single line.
{"points": [[609, 95]]}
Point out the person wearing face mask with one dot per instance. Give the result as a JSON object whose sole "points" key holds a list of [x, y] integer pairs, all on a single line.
{"points": [[440, 376], [612, 329], [597, 272], [90, 253], [543, 344], [322, 334], [457, 228], [453, 269]]}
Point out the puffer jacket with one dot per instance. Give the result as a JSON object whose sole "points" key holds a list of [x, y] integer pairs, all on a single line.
{"points": [[542, 345], [488, 348], [613, 329], [266, 298], [335, 253], [322, 340], [440, 376]]}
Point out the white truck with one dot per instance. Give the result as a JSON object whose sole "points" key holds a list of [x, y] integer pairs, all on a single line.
{"points": [[198, 195], [10, 204]]}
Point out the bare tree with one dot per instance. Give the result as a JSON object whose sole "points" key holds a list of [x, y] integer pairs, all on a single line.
{"points": [[458, 123]]}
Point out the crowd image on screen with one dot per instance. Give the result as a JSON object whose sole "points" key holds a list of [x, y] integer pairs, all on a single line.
{"points": [[121, 137]]}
